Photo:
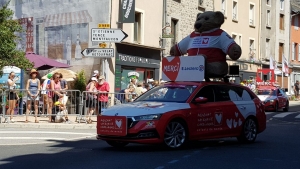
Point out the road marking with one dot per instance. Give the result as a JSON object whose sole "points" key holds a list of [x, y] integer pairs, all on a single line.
{"points": [[42, 132], [31, 138], [173, 161], [186, 156], [281, 115], [160, 167], [298, 117]]}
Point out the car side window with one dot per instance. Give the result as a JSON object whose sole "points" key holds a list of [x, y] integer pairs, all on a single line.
{"points": [[239, 94], [282, 92], [221, 93], [207, 92]]}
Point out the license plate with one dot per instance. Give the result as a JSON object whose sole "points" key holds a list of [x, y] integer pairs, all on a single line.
{"points": [[112, 125]]}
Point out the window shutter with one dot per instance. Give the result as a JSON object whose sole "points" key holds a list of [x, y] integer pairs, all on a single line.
{"points": [[293, 51], [296, 22], [298, 52]]}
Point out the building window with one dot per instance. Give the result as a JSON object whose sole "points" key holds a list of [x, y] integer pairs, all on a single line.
{"points": [[137, 27], [240, 40], [267, 48], [281, 22], [174, 31], [251, 14], [251, 49], [269, 2], [223, 10], [294, 51], [281, 4], [268, 17], [234, 37], [200, 2], [298, 52], [281, 51], [234, 10], [296, 22]]}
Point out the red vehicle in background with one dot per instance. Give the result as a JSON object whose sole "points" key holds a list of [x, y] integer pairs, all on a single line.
{"points": [[273, 97]]}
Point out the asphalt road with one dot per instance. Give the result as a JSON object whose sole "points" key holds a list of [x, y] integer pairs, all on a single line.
{"points": [[277, 147]]}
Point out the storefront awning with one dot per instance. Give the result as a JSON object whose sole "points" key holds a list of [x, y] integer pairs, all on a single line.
{"points": [[67, 18]]}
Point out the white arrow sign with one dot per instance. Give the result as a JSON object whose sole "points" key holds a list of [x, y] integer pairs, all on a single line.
{"points": [[98, 52], [108, 35]]}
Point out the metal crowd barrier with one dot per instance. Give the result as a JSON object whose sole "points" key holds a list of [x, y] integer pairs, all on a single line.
{"points": [[95, 102], [83, 105], [68, 104]]}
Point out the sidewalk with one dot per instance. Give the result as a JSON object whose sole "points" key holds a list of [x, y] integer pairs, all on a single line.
{"points": [[43, 123]]}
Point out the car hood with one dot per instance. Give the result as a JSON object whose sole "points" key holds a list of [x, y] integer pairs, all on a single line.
{"points": [[266, 97], [143, 108]]}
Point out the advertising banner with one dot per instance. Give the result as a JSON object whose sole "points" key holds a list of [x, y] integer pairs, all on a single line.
{"points": [[183, 68], [127, 11]]}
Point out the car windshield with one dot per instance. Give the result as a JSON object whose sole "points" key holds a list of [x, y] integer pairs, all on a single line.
{"points": [[266, 92], [168, 93]]}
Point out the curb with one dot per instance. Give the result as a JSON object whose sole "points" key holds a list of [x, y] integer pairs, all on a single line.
{"points": [[50, 126]]}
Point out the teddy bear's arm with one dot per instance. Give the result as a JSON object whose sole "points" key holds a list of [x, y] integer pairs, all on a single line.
{"points": [[229, 46], [181, 48]]}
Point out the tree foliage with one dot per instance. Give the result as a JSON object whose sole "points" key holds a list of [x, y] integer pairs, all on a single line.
{"points": [[9, 55], [80, 81]]}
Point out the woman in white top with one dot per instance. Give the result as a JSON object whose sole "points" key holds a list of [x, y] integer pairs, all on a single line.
{"points": [[91, 100], [12, 96]]}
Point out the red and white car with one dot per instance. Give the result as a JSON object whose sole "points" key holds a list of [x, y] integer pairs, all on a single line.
{"points": [[273, 98], [180, 111]]}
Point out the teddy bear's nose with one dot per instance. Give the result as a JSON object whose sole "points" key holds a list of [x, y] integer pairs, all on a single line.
{"points": [[198, 25]]}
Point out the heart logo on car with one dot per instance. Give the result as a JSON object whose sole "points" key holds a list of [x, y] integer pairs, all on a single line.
{"points": [[171, 67], [119, 123]]}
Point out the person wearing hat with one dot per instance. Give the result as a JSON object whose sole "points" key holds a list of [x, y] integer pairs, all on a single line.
{"points": [[91, 98], [102, 87], [96, 74], [44, 92], [33, 85]]}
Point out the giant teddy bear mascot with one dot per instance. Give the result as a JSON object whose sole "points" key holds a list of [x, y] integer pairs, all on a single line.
{"points": [[212, 42]]}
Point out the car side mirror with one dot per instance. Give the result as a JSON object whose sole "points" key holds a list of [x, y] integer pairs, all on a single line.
{"points": [[201, 100]]}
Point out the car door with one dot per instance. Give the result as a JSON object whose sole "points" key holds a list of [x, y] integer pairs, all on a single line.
{"points": [[282, 98], [224, 104], [201, 119], [244, 106]]}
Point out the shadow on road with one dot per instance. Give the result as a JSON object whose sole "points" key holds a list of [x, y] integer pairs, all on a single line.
{"points": [[93, 153]]}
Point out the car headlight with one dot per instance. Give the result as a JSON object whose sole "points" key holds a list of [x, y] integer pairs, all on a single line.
{"points": [[271, 101], [147, 117]]}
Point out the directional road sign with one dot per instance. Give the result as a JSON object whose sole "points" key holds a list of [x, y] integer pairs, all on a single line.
{"points": [[98, 52], [108, 35]]}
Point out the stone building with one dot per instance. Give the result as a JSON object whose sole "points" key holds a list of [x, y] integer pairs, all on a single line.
{"points": [[179, 17]]}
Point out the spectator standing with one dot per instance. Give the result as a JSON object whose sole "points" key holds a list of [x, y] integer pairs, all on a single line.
{"points": [[91, 100], [139, 89], [296, 89], [124, 95], [133, 82], [155, 83], [63, 82], [55, 93], [44, 92], [146, 87], [102, 87], [12, 96], [32, 86], [96, 74]]}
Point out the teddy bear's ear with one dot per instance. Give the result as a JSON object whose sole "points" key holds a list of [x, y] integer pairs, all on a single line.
{"points": [[198, 15], [219, 18]]}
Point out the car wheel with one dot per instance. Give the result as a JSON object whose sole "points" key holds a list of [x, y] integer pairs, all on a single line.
{"points": [[276, 107], [117, 144], [249, 131], [175, 134], [287, 106]]}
